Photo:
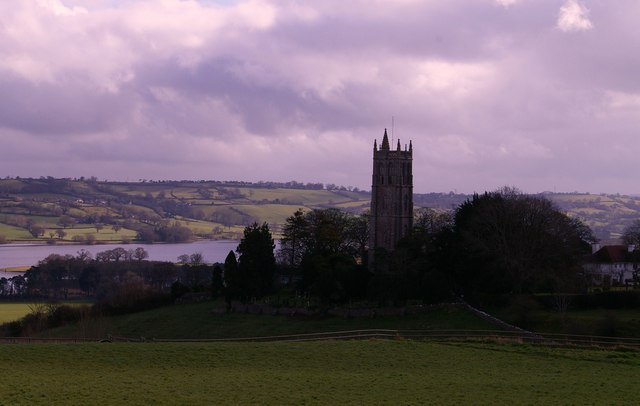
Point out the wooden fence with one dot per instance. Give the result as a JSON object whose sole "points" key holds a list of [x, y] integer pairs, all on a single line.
{"points": [[378, 334]]}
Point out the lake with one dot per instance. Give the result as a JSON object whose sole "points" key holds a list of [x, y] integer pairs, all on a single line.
{"points": [[27, 255]]}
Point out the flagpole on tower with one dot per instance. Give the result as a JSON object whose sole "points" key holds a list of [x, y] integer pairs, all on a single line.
{"points": [[392, 126]]}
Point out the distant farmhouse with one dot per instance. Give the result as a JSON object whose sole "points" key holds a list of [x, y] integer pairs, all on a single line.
{"points": [[391, 196], [613, 265]]}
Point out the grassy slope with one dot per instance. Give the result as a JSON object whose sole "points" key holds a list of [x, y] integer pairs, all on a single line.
{"points": [[14, 233], [13, 311], [201, 321], [239, 204], [107, 234], [10, 311], [334, 372]]}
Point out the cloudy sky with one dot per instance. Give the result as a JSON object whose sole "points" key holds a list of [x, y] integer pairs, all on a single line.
{"points": [[537, 94]]}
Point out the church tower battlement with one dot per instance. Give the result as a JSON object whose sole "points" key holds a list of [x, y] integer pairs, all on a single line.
{"points": [[391, 196]]}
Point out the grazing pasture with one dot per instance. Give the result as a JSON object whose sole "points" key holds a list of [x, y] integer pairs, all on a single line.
{"points": [[10, 311], [12, 233], [13, 311], [331, 372], [208, 320], [229, 205]]}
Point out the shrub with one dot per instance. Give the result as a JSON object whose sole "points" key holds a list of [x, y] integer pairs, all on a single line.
{"points": [[608, 300]]}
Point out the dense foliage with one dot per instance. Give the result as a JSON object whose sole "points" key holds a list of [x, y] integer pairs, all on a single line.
{"points": [[325, 251], [117, 278], [631, 234], [495, 243], [253, 275], [506, 242]]}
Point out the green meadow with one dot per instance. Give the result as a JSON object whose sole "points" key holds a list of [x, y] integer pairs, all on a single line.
{"points": [[13, 311], [10, 311], [371, 372], [208, 320], [12, 233]]}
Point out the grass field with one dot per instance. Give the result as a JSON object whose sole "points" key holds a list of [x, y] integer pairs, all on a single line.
{"points": [[107, 234], [200, 320], [319, 373], [15, 269], [12, 233], [10, 311], [13, 311], [33, 199]]}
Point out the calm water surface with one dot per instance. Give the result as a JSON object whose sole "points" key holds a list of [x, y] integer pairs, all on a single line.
{"points": [[27, 255]]}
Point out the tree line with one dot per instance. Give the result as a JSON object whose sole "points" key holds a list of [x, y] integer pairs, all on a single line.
{"points": [[495, 243], [501, 242]]}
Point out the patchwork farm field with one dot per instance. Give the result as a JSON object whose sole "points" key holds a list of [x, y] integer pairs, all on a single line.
{"points": [[35, 210], [10, 311], [331, 372], [13, 311]]}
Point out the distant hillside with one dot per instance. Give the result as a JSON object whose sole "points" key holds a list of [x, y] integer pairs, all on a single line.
{"points": [[81, 210], [86, 210], [607, 215]]}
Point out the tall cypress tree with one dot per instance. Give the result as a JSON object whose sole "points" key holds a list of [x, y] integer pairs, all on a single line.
{"points": [[256, 262]]}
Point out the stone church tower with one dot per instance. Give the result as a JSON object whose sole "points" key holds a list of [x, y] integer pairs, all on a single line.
{"points": [[391, 196]]}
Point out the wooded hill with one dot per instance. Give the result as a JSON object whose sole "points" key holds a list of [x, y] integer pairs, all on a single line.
{"points": [[87, 210]]}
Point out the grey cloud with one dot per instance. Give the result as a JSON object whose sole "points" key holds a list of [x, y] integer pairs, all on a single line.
{"points": [[65, 108], [489, 94]]}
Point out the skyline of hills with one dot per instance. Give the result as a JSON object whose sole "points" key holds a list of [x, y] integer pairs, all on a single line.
{"points": [[220, 209]]}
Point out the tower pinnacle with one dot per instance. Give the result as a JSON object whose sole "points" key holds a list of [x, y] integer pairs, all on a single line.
{"points": [[385, 142]]}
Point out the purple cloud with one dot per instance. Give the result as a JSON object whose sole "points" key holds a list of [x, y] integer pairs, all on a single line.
{"points": [[539, 95]]}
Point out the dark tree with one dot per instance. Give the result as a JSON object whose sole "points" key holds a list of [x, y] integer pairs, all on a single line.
{"points": [[325, 233], [196, 258], [505, 242], [295, 234], [357, 235], [232, 280], [89, 279], [256, 261], [183, 259], [66, 221], [430, 222], [217, 281], [631, 234], [327, 249], [419, 266], [36, 231], [139, 254]]}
